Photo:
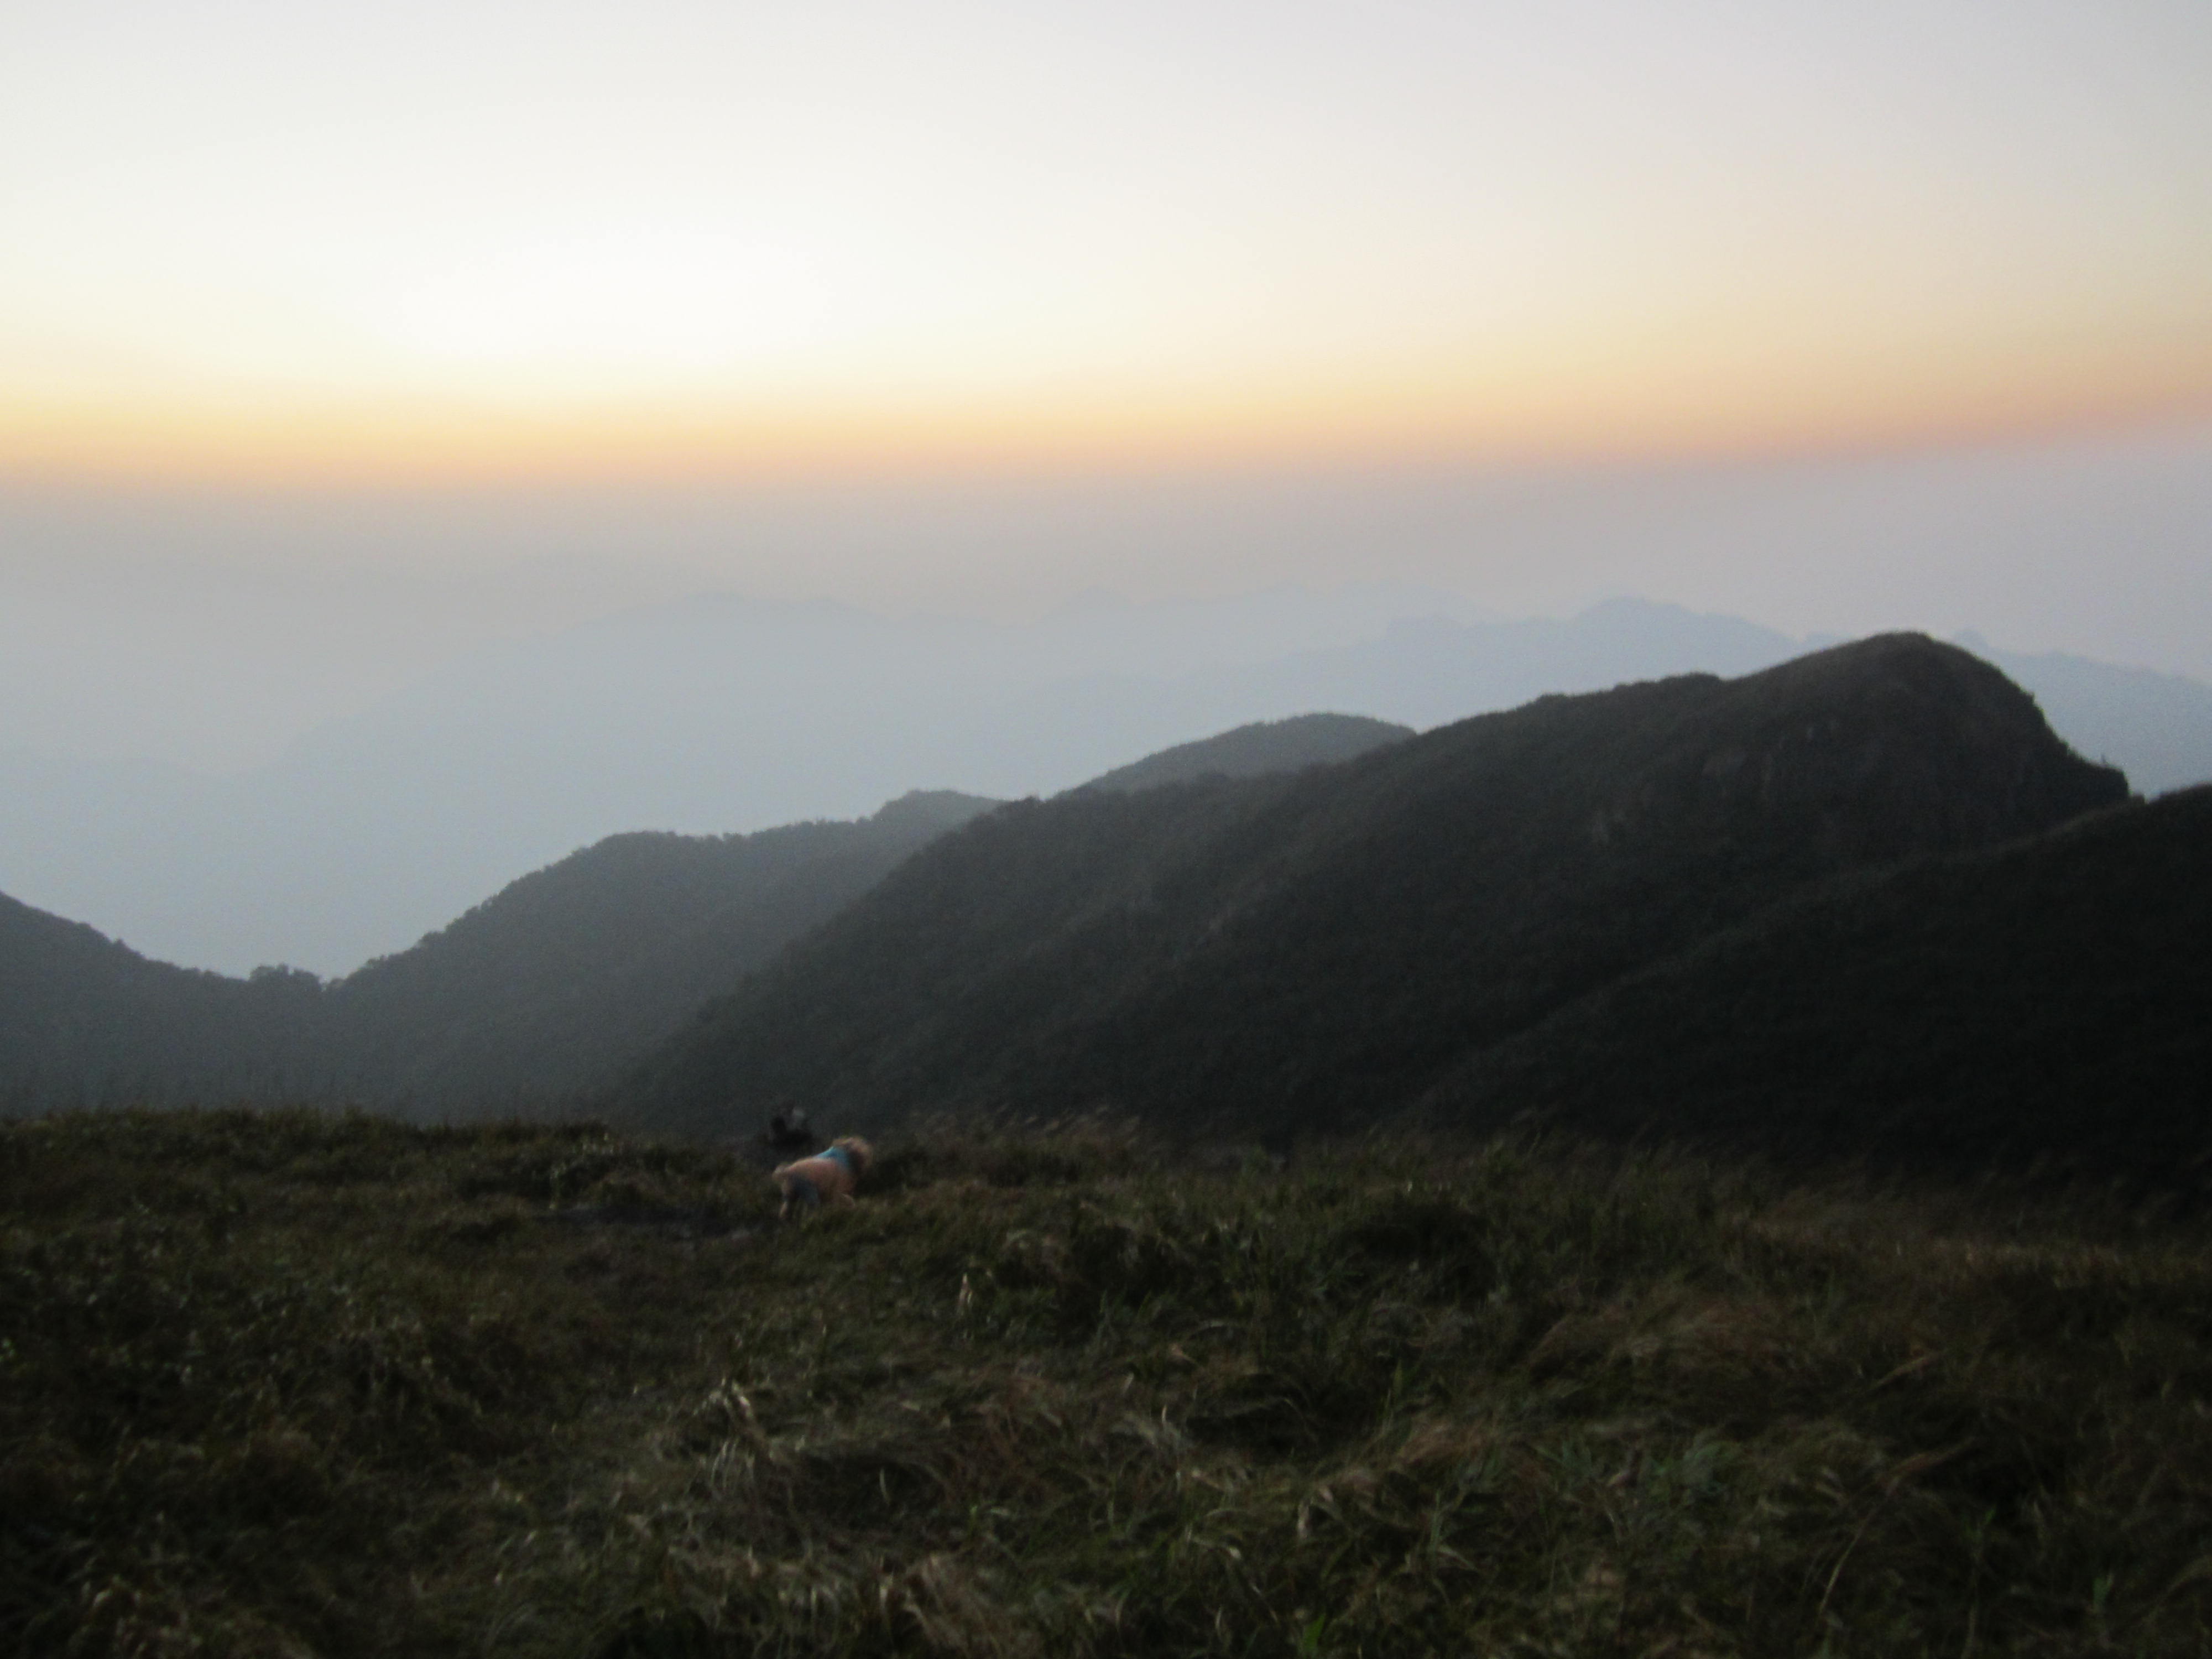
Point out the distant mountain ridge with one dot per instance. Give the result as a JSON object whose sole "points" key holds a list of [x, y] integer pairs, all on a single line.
{"points": [[1862, 904], [530, 1000], [722, 714], [538, 993], [1309, 950], [2157, 728], [1255, 751]]}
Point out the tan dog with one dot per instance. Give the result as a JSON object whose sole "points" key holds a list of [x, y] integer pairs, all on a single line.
{"points": [[829, 1176]]}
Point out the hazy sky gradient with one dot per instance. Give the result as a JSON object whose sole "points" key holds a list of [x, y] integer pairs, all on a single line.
{"points": [[210, 628], [255, 239], [338, 342]]}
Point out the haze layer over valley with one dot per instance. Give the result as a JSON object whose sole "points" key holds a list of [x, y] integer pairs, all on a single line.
{"points": [[715, 715]]}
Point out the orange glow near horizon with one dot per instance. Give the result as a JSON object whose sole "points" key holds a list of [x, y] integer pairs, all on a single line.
{"points": [[691, 241], [299, 440]]}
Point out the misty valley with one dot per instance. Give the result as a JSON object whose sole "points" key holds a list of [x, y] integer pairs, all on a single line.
{"points": [[1713, 1164]]}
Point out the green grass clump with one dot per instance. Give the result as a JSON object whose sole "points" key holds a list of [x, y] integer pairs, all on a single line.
{"points": [[288, 1384]]}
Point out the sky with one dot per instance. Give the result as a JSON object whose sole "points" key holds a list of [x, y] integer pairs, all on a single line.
{"points": [[410, 242], [335, 343]]}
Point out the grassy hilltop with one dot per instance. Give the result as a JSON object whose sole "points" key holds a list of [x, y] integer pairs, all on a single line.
{"points": [[284, 1384]]}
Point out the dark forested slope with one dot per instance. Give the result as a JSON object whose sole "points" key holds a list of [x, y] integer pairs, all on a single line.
{"points": [[2050, 999], [537, 994], [85, 1020], [1254, 751], [544, 990], [1299, 950]]}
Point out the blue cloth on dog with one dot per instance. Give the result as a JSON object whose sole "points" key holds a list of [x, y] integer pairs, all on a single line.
{"points": [[843, 1157]]}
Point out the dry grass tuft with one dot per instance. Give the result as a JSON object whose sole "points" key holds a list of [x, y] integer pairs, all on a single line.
{"points": [[288, 1384]]}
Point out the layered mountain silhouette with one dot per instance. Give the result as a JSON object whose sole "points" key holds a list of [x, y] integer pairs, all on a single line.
{"points": [[543, 991], [537, 996], [540, 993], [1312, 951], [718, 714], [1864, 903]]}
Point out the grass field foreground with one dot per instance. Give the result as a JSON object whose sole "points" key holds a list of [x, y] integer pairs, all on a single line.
{"points": [[287, 1383]]}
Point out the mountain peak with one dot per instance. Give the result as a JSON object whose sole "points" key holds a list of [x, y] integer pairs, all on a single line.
{"points": [[1308, 949]]}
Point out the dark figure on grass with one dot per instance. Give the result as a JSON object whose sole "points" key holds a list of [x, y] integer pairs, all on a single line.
{"points": [[828, 1177], [789, 1133]]}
